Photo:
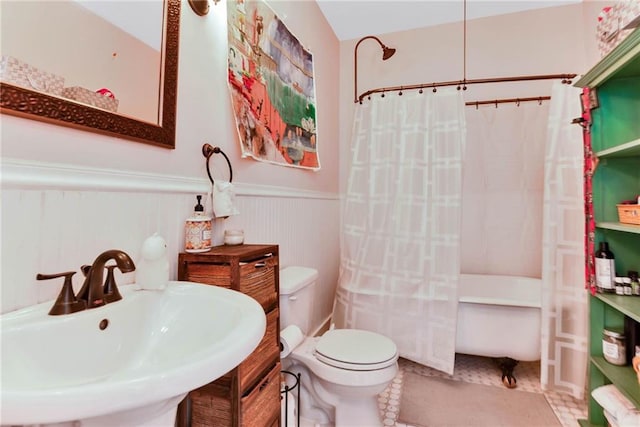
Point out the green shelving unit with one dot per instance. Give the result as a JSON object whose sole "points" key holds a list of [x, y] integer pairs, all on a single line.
{"points": [[615, 133]]}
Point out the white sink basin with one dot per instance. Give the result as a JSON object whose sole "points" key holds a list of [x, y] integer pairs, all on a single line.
{"points": [[158, 346]]}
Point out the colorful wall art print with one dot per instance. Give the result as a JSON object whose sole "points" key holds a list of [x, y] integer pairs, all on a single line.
{"points": [[272, 87]]}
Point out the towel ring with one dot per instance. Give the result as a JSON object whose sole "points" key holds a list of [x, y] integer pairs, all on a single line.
{"points": [[208, 151]]}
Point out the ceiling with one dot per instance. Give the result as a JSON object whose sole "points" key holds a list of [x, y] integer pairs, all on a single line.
{"points": [[353, 19]]}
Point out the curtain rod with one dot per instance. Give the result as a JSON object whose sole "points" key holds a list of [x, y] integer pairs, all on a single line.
{"points": [[495, 102], [462, 84]]}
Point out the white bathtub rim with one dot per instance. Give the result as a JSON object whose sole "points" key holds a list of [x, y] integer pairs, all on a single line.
{"points": [[499, 302], [500, 290]]}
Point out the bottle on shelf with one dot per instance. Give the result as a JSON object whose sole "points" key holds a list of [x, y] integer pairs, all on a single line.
{"points": [[605, 268], [635, 284]]}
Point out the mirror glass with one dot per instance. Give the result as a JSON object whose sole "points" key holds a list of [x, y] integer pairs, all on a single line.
{"points": [[105, 65]]}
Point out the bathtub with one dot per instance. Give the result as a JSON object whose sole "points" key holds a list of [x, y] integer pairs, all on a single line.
{"points": [[499, 316]]}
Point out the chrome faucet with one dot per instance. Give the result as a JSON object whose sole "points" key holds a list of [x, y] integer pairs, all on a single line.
{"points": [[92, 289]]}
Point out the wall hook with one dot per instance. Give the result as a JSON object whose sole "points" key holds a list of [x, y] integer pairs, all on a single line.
{"points": [[207, 152], [580, 121]]}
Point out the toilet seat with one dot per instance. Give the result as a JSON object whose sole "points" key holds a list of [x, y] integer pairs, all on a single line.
{"points": [[356, 350]]}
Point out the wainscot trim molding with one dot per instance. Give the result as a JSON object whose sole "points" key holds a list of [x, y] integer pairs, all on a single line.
{"points": [[32, 175]]}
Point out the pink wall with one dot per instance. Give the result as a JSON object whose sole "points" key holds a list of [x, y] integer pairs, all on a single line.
{"points": [[204, 112], [543, 41], [96, 192], [502, 216]]}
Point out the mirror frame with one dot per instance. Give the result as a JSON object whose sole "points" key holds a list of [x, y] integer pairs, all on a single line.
{"points": [[18, 101]]}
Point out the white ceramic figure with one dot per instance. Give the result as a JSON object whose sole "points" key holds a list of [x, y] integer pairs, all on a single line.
{"points": [[152, 271]]}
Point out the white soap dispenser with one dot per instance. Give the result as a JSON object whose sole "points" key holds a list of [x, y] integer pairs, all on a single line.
{"points": [[198, 230]]}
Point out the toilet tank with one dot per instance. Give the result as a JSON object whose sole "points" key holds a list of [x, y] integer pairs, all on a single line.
{"points": [[296, 293]]}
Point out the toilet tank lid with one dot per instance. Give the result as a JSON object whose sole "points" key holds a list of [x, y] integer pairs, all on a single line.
{"points": [[294, 278]]}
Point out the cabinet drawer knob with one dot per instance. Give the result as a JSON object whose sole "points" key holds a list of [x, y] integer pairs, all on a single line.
{"points": [[261, 264]]}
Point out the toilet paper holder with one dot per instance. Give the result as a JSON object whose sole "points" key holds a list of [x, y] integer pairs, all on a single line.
{"points": [[284, 394]]}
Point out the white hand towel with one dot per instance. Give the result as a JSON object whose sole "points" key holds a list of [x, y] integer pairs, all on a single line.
{"points": [[613, 401], [224, 199], [613, 422], [630, 419]]}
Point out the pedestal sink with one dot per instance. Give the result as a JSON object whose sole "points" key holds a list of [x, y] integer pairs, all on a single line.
{"points": [[127, 363]]}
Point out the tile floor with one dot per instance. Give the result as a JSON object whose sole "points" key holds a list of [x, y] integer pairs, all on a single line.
{"points": [[481, 370]]}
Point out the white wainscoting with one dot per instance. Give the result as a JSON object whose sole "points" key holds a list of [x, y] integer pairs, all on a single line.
{"points": [[56, 218]]}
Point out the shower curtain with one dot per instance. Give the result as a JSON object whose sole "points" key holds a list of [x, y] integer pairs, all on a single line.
{"points": [[400, 240], [502, 189], [564, 300]]}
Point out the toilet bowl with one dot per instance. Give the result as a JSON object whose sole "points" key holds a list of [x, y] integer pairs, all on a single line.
{"points": [[342, 371]]}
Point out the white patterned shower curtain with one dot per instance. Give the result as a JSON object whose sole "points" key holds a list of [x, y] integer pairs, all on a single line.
{"points": [[502, 190], [564, 300], [400, 247]]}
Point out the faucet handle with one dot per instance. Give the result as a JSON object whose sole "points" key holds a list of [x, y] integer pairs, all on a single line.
{"points": [[66, 303], [110, 289], [85, 269]]}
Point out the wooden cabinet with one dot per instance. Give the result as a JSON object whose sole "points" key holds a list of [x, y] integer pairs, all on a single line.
{"points": [[615, 142], [249, 395]]}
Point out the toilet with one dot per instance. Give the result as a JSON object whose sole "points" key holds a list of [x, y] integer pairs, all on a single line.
{"points": [[342, 371]]}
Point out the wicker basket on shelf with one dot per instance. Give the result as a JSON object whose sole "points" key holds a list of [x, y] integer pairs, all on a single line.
{"points": [[629, 214]]}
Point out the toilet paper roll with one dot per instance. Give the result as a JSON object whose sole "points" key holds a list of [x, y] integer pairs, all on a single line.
{"points": [[290, 338]]}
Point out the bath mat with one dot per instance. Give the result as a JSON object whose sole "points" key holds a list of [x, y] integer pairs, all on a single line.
{"points": [[438, 402]]}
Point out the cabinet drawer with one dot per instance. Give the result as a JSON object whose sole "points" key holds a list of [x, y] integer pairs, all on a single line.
{"points": [[262, 405], [257, 278], [211, 405], [264, 356]]}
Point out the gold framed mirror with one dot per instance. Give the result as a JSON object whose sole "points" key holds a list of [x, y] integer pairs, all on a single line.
{"points": [[20, 101]]}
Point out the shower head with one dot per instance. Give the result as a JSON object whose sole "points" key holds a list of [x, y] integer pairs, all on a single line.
{"points": [[387, 52]]}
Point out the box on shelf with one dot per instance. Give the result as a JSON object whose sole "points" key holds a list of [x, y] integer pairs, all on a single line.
{"points": [[629, 214], [615, 23], [86, 96], [19, 73]]}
